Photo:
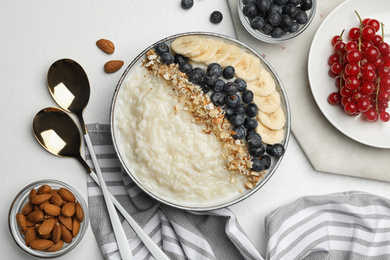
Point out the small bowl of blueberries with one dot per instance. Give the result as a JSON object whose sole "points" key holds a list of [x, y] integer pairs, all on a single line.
{"points": [[275, 21]]}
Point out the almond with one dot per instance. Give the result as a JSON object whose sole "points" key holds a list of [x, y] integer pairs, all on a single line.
{"points": [[75, 227], [106, 46], [41, 206], [47, 226], [32, 194], [56, 199], [52, 210], [113, 66], [44, 189], [30, 235], [21, 221], [56, 234], [66, 194], [68, 209], [66, 221], [41, 244], [79, 212], [27, 208], [56, 247], [41, 198], [47, 236], [30, 223], [37, 226], [36, 216], [65, 234]]}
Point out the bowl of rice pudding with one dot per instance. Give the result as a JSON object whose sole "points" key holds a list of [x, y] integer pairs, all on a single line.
{"points": [[180, 135]]}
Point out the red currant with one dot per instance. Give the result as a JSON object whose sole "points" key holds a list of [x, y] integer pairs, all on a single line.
{"points": [[363, 104], [384, 116], [367, 88], [384, 97], [356, 96], [352, 69], [386, 57], [385, 82], [335, 57], [371, 53], [371, 115], [354, 56], [382, 106], [368, 66], [334, 98], [339, 47], [374, 23], [354, 33], [351, 46], [344, 101], [368, 32], [352, 83], [345, 92], [336, 68], [339, 82], [383, 47], [377, 39], [368, 76], [378, 62], [365, 21], [365, 45], [331, 74], [350, 108], [384, 71], [336, 39]]}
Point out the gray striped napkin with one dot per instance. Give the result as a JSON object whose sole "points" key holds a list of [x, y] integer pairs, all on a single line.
{"points": [[181, 234]]}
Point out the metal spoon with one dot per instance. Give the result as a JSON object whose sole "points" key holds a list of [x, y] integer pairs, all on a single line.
{"points": [[58, 133]]}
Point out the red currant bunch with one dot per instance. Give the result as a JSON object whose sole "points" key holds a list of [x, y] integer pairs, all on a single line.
{"points": [[361, 68]]}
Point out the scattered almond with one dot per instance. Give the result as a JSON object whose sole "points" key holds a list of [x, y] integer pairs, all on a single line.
{"points": [[106, 46], [113, 66], [41, 244]]}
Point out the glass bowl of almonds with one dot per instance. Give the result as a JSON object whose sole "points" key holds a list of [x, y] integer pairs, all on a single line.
{"points": [[48, 218]]}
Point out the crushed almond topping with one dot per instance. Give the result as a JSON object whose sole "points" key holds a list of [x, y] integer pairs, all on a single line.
{"points": [[192, 99]]}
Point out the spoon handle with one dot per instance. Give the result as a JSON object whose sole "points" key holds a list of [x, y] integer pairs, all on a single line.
{"points": [[121, 239]]}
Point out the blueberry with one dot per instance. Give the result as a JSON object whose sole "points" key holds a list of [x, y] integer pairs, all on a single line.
{"points": [[257, 151], [210, 79], [229, 112], [301, 17], [306, 5], [240, 132], [195, 76], [232, 101], [205, 88], [294, 27], [286, 22], [230, 88], [250, 123], [161, 48], [186, 4], [218, 86], [241, 84], [251, 110], [237, 120], [274, 19], [290, 10], [249, 10], [240, 109], [267, 29], [253, 139], [214, 68], [274, 8], [266, 160], [281, 2], [247, 96], [257, 22], [277, 32], [218, 98], [294, 2], [180, 59], [216, 17], [167, 58], [228, 72], [247, 2], [257, 165], [275, 150], [263, 6], [185, 67]]}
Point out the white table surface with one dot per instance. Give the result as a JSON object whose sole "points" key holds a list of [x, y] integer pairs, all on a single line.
{"points": [[36, 33]]}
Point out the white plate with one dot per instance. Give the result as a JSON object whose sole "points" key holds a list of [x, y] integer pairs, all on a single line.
{"points": [[375, 134]]}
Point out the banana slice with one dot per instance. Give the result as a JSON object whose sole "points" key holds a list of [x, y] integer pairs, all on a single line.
{"points": [[187, 45], [274, 121], [212, 48], [234, 56], [270, 136], [248, 68], [222, 53], [264, 85], [268, 104]]}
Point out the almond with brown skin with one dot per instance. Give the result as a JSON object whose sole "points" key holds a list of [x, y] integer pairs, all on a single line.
{"points": [[56, 234], [30, 235], [30, 223], [66, 221], [32, 194], [41, 244], [56, 199], [75, 227], [27, 208], [56, 247], [21, 221], [68, 209], [65, 234], [47, 226], [44, 189], [113, 66], [52, 210], [41, 198], [106, 46], [79, 212], [36, 216], [66, 194], [41, 206]]}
